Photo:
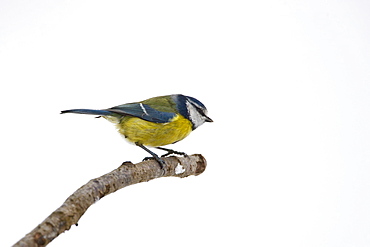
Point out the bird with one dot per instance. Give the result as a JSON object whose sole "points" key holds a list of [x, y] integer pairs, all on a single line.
{"points": [[155, 122]]}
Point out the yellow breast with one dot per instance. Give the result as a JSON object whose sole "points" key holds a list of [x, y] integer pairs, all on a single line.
{"points": [[154, 134]]}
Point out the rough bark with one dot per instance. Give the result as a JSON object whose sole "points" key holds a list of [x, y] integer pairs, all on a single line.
{"points": [[127, 174]]}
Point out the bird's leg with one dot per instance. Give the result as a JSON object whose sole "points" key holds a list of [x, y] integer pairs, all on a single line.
{"points": [[170, 151], [155, 156]]}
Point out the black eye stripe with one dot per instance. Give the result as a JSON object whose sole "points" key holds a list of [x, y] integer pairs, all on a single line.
{"points": [[199, 109]]}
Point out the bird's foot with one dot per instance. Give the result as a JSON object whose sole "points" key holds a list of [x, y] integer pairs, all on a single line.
{"points": [[161, 162], [170, 151]]}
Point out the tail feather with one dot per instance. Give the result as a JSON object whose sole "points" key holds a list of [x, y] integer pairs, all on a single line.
{"points": [[89, 111]]}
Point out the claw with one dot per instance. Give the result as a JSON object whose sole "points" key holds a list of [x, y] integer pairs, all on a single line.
{"points": [[158, 159]]}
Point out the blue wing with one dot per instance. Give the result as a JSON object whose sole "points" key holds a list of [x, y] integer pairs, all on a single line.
{"points": [[144, 112]]}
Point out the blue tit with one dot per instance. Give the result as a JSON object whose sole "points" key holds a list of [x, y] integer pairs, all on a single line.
{"points": [[155, 122]]}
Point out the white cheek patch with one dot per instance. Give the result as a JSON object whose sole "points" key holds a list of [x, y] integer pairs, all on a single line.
{"points": [[194, 115]]}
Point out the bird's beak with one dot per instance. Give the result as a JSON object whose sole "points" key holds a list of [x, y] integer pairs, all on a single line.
{"points": [[208, 119]]}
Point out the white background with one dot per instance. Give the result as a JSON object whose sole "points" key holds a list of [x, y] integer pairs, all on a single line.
{"points": [[286, 82]]}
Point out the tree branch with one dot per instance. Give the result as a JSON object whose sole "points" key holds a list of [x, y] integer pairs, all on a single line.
{"points": [[127, 174]]}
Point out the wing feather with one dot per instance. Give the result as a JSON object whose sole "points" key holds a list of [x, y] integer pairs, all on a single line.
{"points": [[144, 112]]}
